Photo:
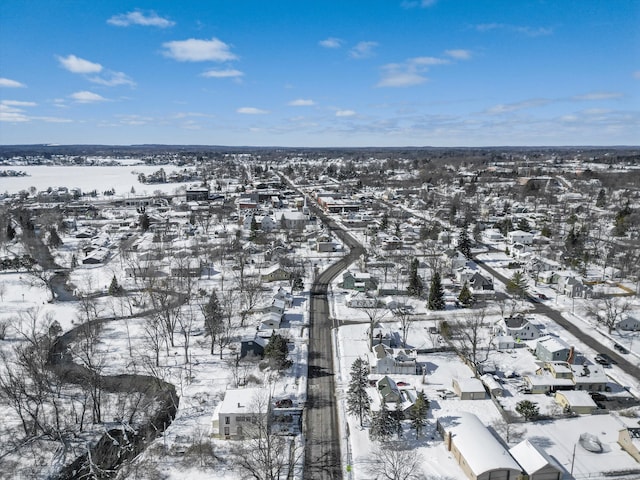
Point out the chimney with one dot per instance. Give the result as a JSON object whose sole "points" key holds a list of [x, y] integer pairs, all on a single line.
{"points": [[572, 355]]}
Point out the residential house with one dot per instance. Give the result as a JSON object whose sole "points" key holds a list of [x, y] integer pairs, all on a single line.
{"points": [[492, 235], [361, 281], [480, 455], [270, 321], [285, 296], [518, 236], [469, 389], [361, 300], [384, 359], [240, 411], [576, 401], [550, 349], [253, 346], [275, 273], [277, 305], [536, 463], [388, 390], [520, 328], [589, 377], [573, 287], [629, 323], [453, 260]]}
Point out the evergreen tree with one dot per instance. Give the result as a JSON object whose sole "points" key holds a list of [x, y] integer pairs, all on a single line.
{"points": [[253, 228], [144, 222], [523, 224], [384, 222], [74, 261], [298, 284], [277, 351], [114, 287], [415, 287], [358, 401], [383, 425], [464, 243], [517, 284], [54, 239], [11, 232], [527, 409], [419, 413], [601, 201], [465, 297], [213, 318], [436, 293]]}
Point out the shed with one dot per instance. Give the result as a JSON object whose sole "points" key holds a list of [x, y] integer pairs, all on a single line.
{"points": [[469, 389], [252, 346], [535, 462], [480, 455], [491, 383]]}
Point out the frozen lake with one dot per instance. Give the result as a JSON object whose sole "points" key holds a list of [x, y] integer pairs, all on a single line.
{"points": [[87, 178]]}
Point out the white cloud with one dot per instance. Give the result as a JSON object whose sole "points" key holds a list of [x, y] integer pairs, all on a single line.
{"points": [[427, 61], [523, 30], [398, 78], [8, 83], [458, 54], [301, 102], [345, 113], [87, 97], [331, 42], [139, 18], [512, 107], [113, 79], [79, 65], [598, 96], [363, 49], [229, 73], [251, 111], [18, 103], [194, 50], [10, 113], [418, 3]]}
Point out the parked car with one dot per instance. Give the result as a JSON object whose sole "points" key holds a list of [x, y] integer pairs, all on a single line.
{"points": [[620, 348], [284, 403], [604, 359], [598, 397]]}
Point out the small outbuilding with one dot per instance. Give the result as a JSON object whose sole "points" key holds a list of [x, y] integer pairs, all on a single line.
{"points": [[469, 389], [536, 463]]}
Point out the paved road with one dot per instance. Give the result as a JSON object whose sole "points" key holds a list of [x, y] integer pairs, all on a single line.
{"points": [[575, 330]]}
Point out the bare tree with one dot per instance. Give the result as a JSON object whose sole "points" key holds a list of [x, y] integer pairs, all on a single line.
{"points": [[510, 432], [608, 311], [471, 338], [405, 318], [264, 454], [250, 296], [394, 461], [374, 314]]}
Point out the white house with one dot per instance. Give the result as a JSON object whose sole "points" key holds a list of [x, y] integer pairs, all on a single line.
{"points": [[520, 328], [360, 300], [240, 411], [518, 236], [385, 360]]}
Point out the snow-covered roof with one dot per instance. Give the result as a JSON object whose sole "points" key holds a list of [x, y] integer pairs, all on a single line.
{"points": [[241, 400], [531, 458], [480, 449], [578, 398]]}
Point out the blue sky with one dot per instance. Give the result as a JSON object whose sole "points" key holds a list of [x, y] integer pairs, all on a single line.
{"points": [[321, 73]]}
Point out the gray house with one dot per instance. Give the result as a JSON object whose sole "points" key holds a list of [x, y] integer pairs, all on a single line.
{"points": [[552, 349]]}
